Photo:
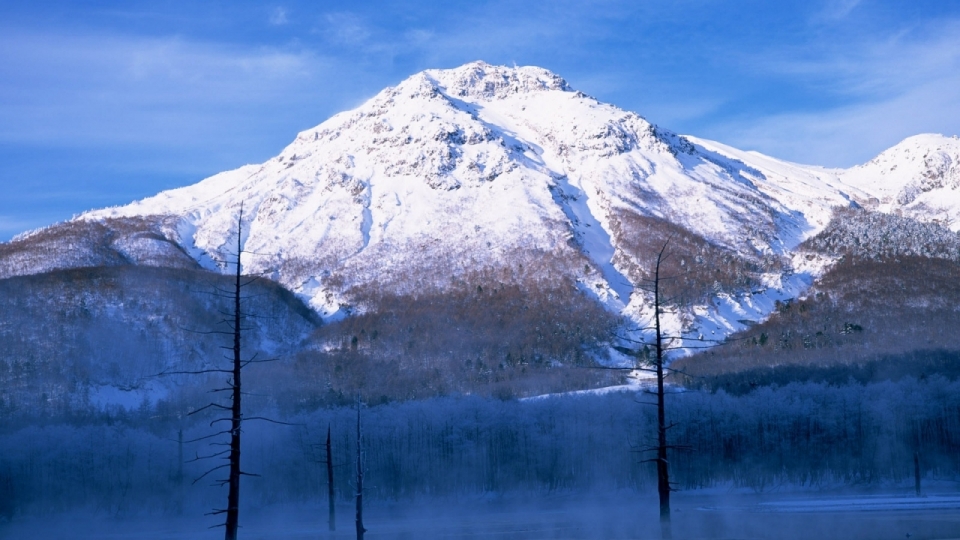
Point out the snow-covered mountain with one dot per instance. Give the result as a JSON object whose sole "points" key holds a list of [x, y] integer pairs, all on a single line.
{"points": [[920, 178], [485, 168]]}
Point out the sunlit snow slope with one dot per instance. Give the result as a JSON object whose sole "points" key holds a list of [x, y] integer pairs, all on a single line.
{"points": [[486, 166]]}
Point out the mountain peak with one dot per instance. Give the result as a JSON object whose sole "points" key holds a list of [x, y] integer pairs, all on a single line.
{"points": [[481, 80], [915, 146], [921, 171], [485, 172]]}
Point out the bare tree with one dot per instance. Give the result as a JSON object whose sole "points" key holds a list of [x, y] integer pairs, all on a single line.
{"points": [[235, 328], [663, 469], [359, 518], [663, 465], [332, 516], [328, 462], [180, 471], [236, 412], [916, 461], [661, 343]]}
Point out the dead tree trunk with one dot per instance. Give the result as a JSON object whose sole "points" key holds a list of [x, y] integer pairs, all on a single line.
{"points": [[916, 472], [360, 529], [234, 411], [180, 471], [661, 343], [332, 518], [916, 462], [236, 416], [180, 457], [663, 472]]}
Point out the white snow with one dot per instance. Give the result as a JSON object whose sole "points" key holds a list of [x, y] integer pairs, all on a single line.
{"points": [[453, 170]]}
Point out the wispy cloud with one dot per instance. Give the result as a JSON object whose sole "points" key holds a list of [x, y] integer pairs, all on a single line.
{"points": [[849, 135], [494, 31], [881, 67], [278, 17], [834, 10], [172, 92], [345, 28], [877, 92], [98, 89]]}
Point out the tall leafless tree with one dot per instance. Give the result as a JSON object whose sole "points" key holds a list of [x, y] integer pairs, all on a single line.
{"points": [[328, 462], [235, 419], [661, 343], [332, 515], [236, 412], [663, 469], [359, 517]]}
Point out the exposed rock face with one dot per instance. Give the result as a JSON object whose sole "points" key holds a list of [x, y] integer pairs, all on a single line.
{"points": [[495, 169]]}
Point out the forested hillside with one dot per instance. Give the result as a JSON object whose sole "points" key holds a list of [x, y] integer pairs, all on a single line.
{"points": [[892, 293], [69, 334]]}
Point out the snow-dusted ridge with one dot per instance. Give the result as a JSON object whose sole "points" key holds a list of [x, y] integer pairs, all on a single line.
{"points": [[482, 166]]}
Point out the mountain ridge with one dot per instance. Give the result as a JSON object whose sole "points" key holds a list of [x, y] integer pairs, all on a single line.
{"points": [[491, 166]]}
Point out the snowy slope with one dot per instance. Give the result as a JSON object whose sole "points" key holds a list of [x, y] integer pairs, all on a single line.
{"points": [[920, 178], [488, 166]]}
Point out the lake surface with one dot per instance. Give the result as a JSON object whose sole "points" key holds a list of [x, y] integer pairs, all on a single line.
{"points": [[696, 515]]}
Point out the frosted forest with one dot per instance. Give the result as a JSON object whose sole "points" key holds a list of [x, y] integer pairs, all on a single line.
{"points": [[122, 464]]}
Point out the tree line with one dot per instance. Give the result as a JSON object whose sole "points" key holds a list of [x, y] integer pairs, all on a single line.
{"points": [[799, 434]]}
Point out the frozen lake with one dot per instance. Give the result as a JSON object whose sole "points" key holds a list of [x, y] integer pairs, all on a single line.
{"points": [[695, 516]]}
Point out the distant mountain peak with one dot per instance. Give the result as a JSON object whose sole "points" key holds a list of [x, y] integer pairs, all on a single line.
{"points": [[919, 175]]}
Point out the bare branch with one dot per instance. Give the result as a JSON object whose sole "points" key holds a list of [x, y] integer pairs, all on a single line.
{"points": [[198, 372], [210, 471], [264, 361], [205, 437], [199, 457], [208, 406], [615, 368], [645, 403], [271, 420]]}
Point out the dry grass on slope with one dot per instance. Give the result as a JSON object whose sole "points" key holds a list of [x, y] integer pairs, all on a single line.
{"points": [[859, 312], [485, 338], [698, 268]]}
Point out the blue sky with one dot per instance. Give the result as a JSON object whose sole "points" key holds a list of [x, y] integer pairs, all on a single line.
{"points": [[102, 103]]}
